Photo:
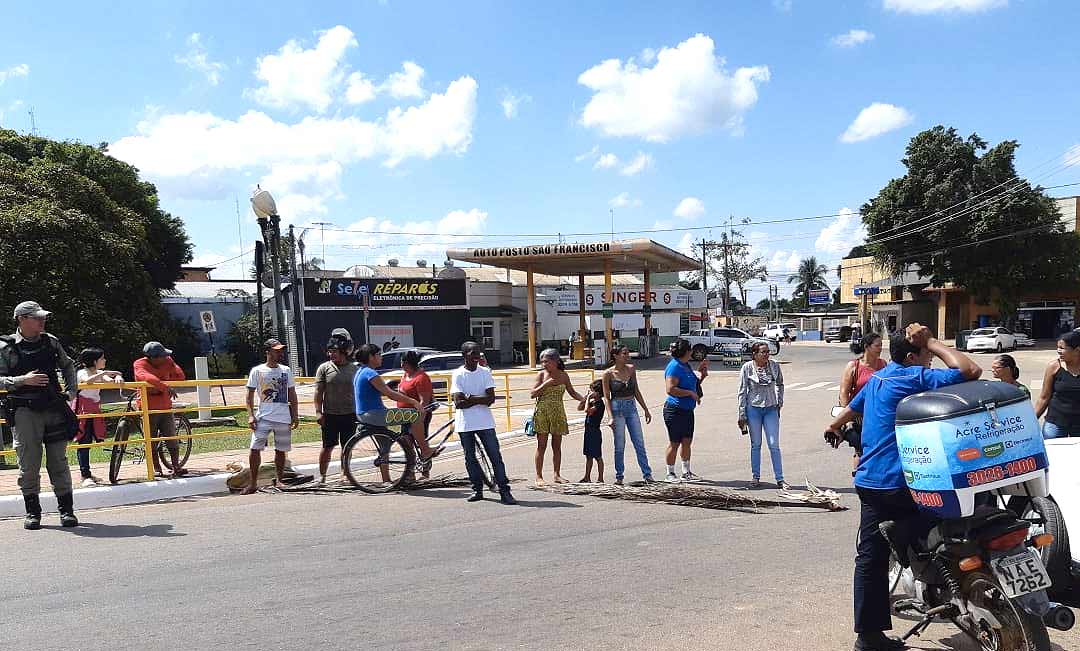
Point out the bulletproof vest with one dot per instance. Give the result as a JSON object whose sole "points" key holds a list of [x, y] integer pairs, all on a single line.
{"points": [[41, 356]]}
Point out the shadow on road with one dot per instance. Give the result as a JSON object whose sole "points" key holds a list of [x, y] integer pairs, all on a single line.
{"points": [[548, 504], [95, 530], [961, 642]]}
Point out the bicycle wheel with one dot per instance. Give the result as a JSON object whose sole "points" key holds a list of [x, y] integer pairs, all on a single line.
{"points": [[119, 449], [183, 428], [485, 466], [378, 461]]}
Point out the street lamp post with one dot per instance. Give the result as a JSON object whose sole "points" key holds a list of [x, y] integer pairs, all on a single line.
{"points": [[270, 224]]}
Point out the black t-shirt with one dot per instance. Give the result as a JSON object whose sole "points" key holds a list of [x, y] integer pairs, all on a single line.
{"points": [[594, 411]]}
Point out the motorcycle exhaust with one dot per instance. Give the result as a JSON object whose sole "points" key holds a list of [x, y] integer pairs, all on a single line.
{"points": [[1059, 617]]}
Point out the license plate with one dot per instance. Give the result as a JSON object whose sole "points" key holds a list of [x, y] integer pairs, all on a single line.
{"points": [[1021, 574]]}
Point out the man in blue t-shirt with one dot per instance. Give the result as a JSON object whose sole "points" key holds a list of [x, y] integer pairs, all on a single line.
{"points": [[879, 479]]}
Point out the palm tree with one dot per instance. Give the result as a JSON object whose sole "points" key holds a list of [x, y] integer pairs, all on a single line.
{"points": [[810, 275]]}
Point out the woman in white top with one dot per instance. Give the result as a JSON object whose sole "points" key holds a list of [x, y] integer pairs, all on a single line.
{"points": [[88, 401]]}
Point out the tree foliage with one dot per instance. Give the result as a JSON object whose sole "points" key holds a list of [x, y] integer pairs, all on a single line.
{"points": [[729, 262], [962, 215], [85, 237], [242, 340], [811, 275]]}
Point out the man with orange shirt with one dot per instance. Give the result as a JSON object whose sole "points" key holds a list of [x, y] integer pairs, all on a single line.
{"points": [[156, 369]]}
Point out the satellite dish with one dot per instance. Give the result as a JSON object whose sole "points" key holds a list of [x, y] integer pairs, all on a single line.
{"points": [[450, 272], [421, 263], [359, 271]]}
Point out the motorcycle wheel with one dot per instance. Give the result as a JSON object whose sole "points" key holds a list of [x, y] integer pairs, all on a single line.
{"points": [[1020, 630], [1056, 556]]}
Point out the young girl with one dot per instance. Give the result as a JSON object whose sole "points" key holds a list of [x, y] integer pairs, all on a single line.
{"points": [[594, 415], [88, 401]]}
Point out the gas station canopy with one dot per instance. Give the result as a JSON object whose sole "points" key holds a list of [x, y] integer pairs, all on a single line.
{"points": [[593, 258]]}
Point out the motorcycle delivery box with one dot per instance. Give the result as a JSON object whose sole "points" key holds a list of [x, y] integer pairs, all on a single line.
{"points": [[969, 438]]}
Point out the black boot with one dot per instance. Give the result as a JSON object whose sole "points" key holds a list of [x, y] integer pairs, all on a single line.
{"points": [[476, 495], [878, 641], [32, 520], [505, 497], [66, 507]]}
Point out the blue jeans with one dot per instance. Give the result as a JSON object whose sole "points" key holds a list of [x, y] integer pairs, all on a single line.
{"points": [[767, 418], [624, 416], [490, 441], [1052, 431]]}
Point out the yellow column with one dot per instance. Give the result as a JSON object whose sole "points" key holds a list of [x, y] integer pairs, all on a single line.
{"points": [[942, 307], [609, 298], [530, 292], [148, 441]]}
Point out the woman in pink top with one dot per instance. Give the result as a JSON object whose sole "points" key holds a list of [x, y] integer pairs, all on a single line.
{"points": [[857, 373]]}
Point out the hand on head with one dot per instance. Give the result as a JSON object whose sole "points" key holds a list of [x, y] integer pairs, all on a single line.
{"points": [[918, 334]]}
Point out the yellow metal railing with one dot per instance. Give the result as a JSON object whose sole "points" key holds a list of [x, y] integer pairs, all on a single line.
{"points": [[143, 413]]}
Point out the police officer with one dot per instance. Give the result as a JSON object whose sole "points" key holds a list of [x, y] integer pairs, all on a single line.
{"points": [[38, 410]]}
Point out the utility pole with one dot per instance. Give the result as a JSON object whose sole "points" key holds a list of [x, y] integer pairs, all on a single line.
{"points": [[705, 275], [297, 307]]}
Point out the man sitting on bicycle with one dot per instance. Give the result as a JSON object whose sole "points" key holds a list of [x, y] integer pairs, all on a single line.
{"points": [[157, 368]]}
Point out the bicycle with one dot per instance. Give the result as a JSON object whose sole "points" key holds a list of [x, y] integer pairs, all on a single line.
{"points": [[378, 459], [123, 447]]}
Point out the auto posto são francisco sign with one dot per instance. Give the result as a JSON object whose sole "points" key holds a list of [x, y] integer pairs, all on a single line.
{"points": [[385, 293]]}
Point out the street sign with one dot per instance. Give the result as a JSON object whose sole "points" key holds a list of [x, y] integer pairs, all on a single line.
{"points": [[608, 310], [820, 297], [646, 310], [866, 291], [206, 318]]}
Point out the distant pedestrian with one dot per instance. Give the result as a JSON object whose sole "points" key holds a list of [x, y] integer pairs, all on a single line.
{"points": [[335, 408], [761, 397], [472, 388], [88, 401], [684, 395], [549, 415], [1060, 395], [593, 441], [156, 368], [622, 395], [278, 412], [857, 373], [1005, 369]]}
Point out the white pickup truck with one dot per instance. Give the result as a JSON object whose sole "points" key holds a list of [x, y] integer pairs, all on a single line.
{"points": [[713, 341]]}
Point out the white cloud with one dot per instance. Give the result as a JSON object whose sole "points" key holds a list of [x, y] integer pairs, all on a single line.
{"points": [[298, 77], [784, 261], [687, 91], [186, 150], [624, 200], [511, 102], [592, 153], [10, 108], [197, 59], [690, 208], [17, 70], [942, 6], [783, 6], [875, 120], [640, 163], [840, 235], [606, 161], [382, 234], [360, 89], [301, 190], [1072, 156], [852, 38], [405, 84]]}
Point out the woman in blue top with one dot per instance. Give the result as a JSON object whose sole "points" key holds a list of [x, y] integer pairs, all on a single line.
{"points": [[684, 394]]}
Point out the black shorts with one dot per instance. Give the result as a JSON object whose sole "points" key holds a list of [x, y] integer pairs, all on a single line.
{"points": [[337, 429], [680, 423], [593, 443]]}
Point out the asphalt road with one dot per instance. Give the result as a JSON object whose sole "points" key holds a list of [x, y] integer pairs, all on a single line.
{"points": [[428, 571]]}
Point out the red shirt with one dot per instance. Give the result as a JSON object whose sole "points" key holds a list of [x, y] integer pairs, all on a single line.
{"points": [[156, 376], [415, 386]]}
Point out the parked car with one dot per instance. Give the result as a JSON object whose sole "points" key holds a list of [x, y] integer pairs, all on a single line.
{"points": [[711, 341], [837, 333], [430, 360], [995, 339], [1023, 341], [775, 331]]}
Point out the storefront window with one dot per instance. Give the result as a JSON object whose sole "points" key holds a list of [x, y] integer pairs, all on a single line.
{"points": [[483, 333]]}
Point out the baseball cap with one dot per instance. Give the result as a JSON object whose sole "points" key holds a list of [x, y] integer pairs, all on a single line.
{"points": [[155, 349], [31, 308], [273, 344], [338, 343], [341, 332]]}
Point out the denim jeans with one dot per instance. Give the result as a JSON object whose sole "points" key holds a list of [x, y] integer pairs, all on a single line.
{"points": [[767, 418], [1052, 431], [490, 441], [624, 416]]}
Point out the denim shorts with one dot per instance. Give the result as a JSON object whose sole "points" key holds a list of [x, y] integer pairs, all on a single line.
{"points": [[1053, 431]]}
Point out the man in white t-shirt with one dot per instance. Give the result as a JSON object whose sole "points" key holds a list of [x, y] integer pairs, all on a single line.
{"points": [[277, 411], [472, 388]]}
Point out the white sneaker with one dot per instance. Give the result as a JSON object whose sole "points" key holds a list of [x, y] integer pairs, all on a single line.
{"points": [[88, 482], [689, 476], [671, 478]]}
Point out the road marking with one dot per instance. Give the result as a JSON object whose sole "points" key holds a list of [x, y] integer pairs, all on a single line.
{"points": [[815, 385], [793, 384], [835, 387]]}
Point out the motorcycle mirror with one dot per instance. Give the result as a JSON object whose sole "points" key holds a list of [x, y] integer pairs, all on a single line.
{"points": [[837, 410]]}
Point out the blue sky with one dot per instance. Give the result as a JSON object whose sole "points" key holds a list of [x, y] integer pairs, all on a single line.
{"points": [[465, 120]]}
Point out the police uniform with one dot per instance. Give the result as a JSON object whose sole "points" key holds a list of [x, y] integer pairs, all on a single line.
{"points": [[40, 416]]}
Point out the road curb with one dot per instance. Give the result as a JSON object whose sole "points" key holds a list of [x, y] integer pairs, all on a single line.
{"points": [[99, 497]]}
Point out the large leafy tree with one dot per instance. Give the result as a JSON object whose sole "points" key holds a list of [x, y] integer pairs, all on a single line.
{"points": [[962, 215], [728, 261], [84, 236], [811, 275]]}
